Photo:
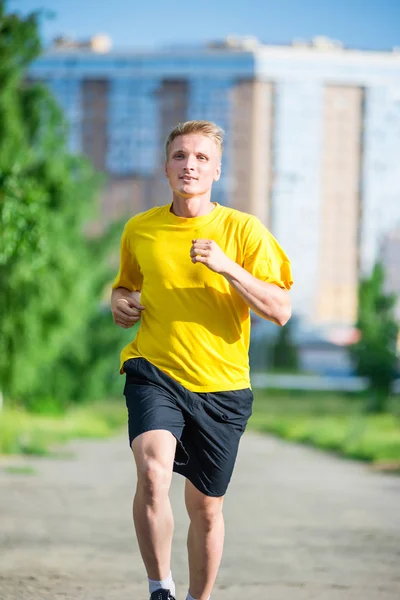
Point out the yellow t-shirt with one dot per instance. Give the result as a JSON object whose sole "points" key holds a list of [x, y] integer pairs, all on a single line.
{"points": [[196, 327]]}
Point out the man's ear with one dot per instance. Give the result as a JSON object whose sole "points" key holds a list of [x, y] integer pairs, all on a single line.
{"points": [[166, 169], [217, 173]]}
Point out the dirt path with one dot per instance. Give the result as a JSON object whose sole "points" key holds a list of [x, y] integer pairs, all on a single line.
{"points": [[301, 525]]}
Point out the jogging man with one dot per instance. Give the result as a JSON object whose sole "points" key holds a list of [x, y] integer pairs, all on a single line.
{"points": [[191, 271]]}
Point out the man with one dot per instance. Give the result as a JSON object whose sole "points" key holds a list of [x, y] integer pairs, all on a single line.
{"points": [[191, 270]]}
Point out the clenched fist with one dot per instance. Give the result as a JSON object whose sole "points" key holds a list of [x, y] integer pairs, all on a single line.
{"points": [[126, 309], [210, 254]]}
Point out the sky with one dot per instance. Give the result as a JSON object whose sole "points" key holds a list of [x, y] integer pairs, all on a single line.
{"points": [[151, 24]]}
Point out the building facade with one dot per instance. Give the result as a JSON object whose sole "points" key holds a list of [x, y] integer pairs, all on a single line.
{"points": [[390, 257], [312, 144]]}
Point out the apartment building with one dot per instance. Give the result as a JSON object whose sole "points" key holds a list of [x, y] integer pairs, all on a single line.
{"points": [[312, 143]]}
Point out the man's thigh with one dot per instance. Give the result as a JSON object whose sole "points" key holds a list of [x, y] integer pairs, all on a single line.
{"points": [[211, 439], [150, 406]]}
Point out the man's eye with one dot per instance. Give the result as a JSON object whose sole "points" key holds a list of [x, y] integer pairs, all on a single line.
{"points": [[180, 155], [201, 157]]}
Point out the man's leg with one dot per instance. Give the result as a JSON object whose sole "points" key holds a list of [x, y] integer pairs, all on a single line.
{"points": [[205, 540], [154, 453]]}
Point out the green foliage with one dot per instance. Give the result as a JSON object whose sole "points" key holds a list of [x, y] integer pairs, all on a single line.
{"points": [[56, 343], [284, 352], [374, 355]]}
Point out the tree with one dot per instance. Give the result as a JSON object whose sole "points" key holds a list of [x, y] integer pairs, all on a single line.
{"points": [[374, 355], [52, 276]]}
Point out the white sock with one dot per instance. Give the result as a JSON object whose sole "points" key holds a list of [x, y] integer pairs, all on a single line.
{"points": [[190, 597], [164, 584]]}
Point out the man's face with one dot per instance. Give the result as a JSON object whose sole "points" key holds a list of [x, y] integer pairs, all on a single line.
{"points": [[193, 164]]}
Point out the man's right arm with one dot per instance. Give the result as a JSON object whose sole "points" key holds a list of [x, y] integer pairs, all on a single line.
{"points": [[125, 307]]}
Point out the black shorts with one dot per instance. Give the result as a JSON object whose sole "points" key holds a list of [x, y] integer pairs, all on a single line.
{"points": [[208, 426]]}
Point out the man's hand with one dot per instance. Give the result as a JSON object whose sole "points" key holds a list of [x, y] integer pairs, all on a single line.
{"points": [[126, 307], [210, 254]]}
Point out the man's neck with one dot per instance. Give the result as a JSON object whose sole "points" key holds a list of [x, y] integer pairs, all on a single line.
{"points": [[189, 208]]}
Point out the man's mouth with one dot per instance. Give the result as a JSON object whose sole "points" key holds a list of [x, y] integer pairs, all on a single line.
{"points": [[188, 178]]}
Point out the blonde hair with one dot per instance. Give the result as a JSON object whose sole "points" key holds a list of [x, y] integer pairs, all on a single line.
{"points": [[207, 128]]}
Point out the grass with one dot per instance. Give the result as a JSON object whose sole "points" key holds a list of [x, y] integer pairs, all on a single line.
{"points": [[23, 470], [26, 433], [334, 422]]}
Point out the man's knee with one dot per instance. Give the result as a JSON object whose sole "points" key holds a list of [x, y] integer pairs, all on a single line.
{"points": [[154, 479], [154, 455], [205, 512]]}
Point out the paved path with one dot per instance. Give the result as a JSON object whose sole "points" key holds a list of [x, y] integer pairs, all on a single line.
{"points": [[301, 525]]}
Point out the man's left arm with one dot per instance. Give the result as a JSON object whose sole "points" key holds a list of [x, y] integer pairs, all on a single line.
{"points": [[267, 300]]}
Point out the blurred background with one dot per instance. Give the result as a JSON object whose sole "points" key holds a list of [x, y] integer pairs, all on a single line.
{"points": [[309, 97]]}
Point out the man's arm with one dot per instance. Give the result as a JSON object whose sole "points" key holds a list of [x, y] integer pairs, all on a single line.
{"points": [[125, 307], [267, 300]]}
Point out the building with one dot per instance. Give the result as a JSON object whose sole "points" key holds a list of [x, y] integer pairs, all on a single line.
{"points": [[312, 143], [390, 257]]}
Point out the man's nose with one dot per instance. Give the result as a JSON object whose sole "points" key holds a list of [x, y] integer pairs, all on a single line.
{"points": [[189, 164]]}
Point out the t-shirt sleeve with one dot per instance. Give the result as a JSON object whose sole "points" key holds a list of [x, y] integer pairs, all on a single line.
{"points": [[264, 258], [129, 275]]}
